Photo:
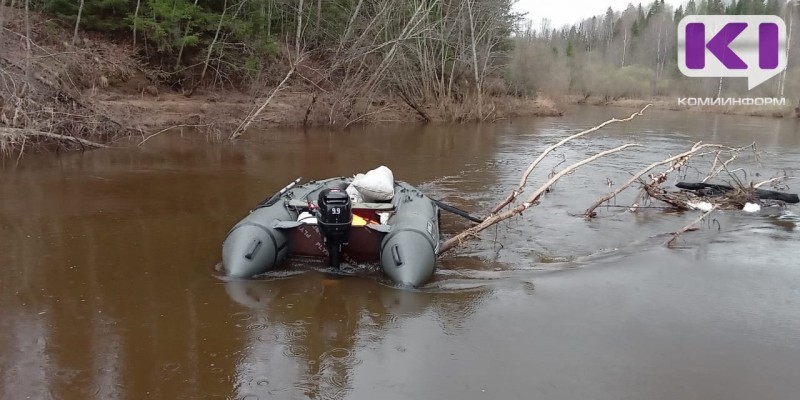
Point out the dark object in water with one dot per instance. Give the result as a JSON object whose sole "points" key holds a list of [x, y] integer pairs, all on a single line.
{"points": [[710, 189]]}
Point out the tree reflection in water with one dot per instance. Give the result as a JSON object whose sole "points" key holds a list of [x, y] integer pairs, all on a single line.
{"points": [[306, 331]]}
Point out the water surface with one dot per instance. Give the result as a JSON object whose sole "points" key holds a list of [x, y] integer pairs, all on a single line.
{"points": [[109, 291]]}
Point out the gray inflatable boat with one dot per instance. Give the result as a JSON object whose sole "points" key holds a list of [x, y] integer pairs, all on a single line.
{"points": [[318, 219]]}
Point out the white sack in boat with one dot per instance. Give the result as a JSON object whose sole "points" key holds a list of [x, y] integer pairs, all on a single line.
{"points": [[355, 195], [375, 185]]}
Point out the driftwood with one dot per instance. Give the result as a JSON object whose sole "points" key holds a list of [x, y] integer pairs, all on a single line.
{"points": [[676, 161], [689, 227], [772, 180], [16, 133], [704, 196], [524, 180], [735, 198], [169, 129], [652, 186], [495, 218], [709, 189]]}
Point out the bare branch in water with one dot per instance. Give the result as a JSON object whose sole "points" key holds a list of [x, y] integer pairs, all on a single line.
{"points": [[678, 161], [532, 200], [689, 227], [513, 195]]}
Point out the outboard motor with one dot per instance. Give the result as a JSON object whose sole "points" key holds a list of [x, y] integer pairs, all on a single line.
{"points": [[334, 217]]}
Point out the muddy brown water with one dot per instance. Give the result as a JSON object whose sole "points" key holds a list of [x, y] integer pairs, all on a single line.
{"points": [[108, 288]]}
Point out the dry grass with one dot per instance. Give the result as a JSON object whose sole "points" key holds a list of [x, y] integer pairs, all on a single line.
{"points": [[46, 93]]}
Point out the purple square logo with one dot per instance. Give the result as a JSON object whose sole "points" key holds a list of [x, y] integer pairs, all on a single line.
{"points": [[751, 46]]}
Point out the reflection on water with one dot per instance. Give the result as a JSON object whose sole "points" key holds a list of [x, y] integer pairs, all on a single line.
{"points": [[108, 288], [314, 326]]}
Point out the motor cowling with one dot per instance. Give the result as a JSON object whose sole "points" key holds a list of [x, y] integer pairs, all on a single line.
{"points": [[334, 217]]}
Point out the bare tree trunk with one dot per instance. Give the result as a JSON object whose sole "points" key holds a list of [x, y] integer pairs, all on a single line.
{"points": [[349, 29], [213, 42], [299, 27], [658, 55], [135, 18], [269, 17], [28, 53], [319, 14], [475, 58], [77, 24], [788, 46], [719, 89], [624, 47], [458, 47], [443, 54], [2, 17], [387, 59], [186, 33], [216, 36]]}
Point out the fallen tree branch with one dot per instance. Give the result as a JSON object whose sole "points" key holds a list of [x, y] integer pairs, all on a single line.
{"points": [[249, 119], [511, 197], [412, 104], [724, 166], [688, 227], [776, 179], [365, 115], [678, 161], [495, 218], [168, 129], [12, 133]]}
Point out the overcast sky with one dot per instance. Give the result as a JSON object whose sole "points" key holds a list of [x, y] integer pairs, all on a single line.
{"points": [[564, 12]]}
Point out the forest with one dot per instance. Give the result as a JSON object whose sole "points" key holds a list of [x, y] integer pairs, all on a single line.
{"points": [[632, 53], [345, 61]]}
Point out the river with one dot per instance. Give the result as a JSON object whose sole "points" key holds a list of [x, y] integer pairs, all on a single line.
{"points": [[109, 288]]}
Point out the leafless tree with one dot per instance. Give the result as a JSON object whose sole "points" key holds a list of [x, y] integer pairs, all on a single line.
{"points": [[135, 21], [75, 37], [2, 16]]}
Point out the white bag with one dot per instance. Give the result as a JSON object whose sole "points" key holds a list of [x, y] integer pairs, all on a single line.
{"points": [[355, 195], [375, 185]]}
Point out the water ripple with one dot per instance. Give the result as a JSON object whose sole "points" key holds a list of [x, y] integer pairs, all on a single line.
{"points": [[294, 350]]}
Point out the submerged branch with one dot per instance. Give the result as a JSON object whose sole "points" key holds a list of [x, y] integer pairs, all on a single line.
{"points": [[677, 162], [689, 227], [495, 218], [513, 195]]}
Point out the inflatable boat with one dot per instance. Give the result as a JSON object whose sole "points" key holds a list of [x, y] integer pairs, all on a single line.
{"points": [[328, 219]]}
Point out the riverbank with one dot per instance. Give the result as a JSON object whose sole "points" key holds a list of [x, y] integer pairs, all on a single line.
{"points": [[672, 104], [102, 88], [219, 112]]}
